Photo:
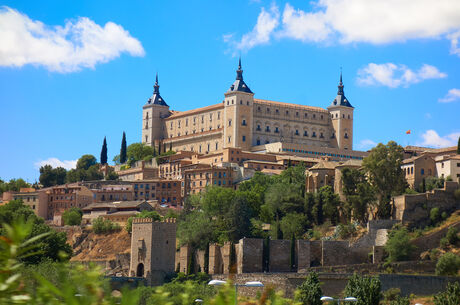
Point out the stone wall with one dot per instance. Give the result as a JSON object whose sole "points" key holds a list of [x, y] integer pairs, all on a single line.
{"points": [[216, 265], [414, 210], [280, 252], [250, 255], [334, 284], [303, 255]]}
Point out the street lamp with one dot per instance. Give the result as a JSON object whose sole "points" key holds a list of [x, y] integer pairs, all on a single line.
{"points": [[247, 284], [329, 299]]}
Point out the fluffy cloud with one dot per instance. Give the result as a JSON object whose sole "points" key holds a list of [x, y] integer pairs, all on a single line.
{"points": [[55, 162], [79, 44], [432, 139], [370, 21], [366, 144], [451, 96], [393, 76], [262, 31]]}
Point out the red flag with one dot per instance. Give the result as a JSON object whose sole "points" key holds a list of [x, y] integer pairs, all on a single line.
{"points": [[408, 132]]}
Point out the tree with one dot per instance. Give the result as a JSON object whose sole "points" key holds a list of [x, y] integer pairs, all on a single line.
{"points": [[331, 203], [104, 152], [367, 290], [293, 224], [123, 156], [86, 161], [50, 247], [72, 216], [458, 146], [448, 264], [398, 245], [449, 297], [52, 176], [309, 292], [359, 194], [383, 166], [137, 152]]}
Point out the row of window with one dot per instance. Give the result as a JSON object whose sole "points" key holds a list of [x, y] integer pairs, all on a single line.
{"points": [[321, 153], [287, 113], [152, 186]]}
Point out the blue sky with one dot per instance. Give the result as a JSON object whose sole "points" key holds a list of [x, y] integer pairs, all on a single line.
{"points": [[74, 72]]}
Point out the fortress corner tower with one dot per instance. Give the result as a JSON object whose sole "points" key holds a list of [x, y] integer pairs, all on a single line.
{"points": [[341, 113], [238, 108]]}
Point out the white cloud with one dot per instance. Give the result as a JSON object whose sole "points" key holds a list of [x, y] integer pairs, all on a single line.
{"points": [[371, 21], [451, 96], [55, 162], [79, 44], [267, 21], [366, 144], [433, 139], [393, 76]]}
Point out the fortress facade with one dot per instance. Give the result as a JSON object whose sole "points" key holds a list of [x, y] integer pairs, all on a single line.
{"points": [[242, 121]]}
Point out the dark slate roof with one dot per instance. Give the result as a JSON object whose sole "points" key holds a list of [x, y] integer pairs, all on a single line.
{"points": [[156, 98], [340, 99], [239, 84]]}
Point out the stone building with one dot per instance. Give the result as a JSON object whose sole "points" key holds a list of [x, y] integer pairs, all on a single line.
{"points": [[242, 121], [418, 168], [153, 249], [448, 166], [29, 197], [198, 176]]}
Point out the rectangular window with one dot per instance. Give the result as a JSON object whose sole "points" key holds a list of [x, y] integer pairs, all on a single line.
{"points": [[244, 138]]}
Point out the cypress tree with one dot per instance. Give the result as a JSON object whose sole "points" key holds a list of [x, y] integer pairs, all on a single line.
{"points": [[458, 146], [123, 149], [104, 152]]}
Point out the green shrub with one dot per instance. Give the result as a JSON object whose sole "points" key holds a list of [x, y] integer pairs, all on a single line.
{"points": [[452, 236], [435, 215], [391, 294], [443, 243], [449, 297], [444, 215], [400, 301], [398, 245], [309, 293], [365, 289], [101, 225], [448, 264], [72, 217]]}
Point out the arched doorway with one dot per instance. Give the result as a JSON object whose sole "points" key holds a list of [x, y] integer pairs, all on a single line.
{"points": [[140, 270]]}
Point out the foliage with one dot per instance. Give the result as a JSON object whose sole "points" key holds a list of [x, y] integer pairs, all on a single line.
{"points": [[50, 176], [104, 152], [391, 294], [13, 185], [452, 235], [309, 292], [435, 215], [448, 264], [101, 226], [331, 203], [365, 289], [359, 194], [383, 166], [72, 216], [293, 224], [449, 297], [53, 246], [345, 231], [399, 300], [111, 175], [68, 286], [432, 183], [398, 245], [87, 170], [144, 214], [137, 151], [123, 155]]}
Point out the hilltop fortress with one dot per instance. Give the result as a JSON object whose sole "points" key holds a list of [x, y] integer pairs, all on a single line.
{"points": [[253, 125]]}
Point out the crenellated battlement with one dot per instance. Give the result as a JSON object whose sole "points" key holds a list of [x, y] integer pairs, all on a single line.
{"points": [[150, 220]]}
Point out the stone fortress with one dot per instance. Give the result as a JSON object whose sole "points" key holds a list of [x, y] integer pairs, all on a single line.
{"points": [[241, 121]]}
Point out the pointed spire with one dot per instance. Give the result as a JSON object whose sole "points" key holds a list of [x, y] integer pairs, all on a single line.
{"points": [[156, 87], [340, 86], [239, 72]]}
